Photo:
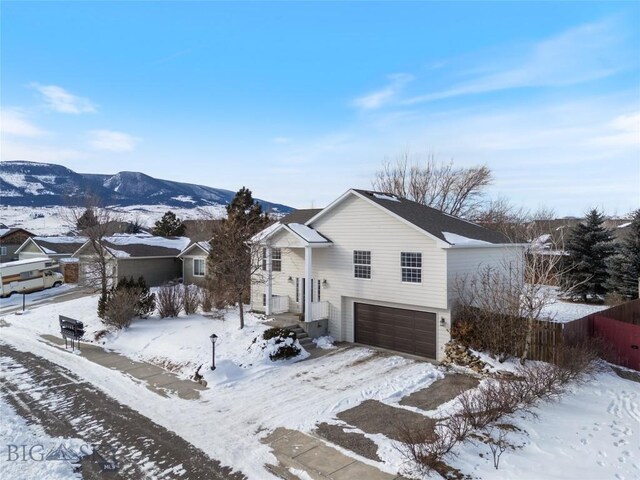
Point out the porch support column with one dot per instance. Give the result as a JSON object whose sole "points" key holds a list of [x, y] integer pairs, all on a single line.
{"points": [[308, 265], [268, 290]]}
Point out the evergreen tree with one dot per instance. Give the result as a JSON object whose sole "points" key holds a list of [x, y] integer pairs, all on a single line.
{"points": [[233, 258], [589, 247], [169, 226], [87, 220], [624, 266]]}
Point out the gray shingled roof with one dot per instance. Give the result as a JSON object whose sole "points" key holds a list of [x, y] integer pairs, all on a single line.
{"points": [[434, 221], [142, 250], [59, 248], [300, 216]]}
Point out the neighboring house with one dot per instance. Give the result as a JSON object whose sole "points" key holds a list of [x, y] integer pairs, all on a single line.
{"points": [[154, 258], [194, 262], [374, 269], [56, 248], [10, 241]]}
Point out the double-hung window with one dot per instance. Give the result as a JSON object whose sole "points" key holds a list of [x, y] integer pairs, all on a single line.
{"points": [[276, 259], [411, 266], [361, 264], [198, 267]]}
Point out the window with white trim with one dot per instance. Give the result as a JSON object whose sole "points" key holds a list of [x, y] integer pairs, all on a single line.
{"points": [[276, 259], [3, 250], [361, 264], [198, 267], [411, 266]]}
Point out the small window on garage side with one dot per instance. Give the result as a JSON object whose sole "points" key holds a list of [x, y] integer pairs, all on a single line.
{"points": [[3, 250], [198, 267], [411, 265], [361, 264]]}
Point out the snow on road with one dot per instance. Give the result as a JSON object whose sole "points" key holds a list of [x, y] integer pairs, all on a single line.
{"points": [[15, 433]]}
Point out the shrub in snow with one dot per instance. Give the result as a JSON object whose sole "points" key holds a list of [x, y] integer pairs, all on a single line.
{"points": [[146, 303], [190, 298], [426, 445], [121, 307], [126, 300], [281, 343], [206, 299], [169, 300]]}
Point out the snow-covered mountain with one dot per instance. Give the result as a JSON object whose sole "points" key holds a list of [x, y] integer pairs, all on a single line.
{"points": [[45, 184]]}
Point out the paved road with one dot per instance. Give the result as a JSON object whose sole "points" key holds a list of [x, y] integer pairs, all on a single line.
{"points": [[67, 406]]}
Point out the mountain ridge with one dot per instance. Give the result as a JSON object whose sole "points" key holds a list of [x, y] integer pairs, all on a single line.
{"points": [[38, 184]]}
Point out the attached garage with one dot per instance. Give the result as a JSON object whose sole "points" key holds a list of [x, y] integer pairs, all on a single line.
{"points": [[403, 330]]}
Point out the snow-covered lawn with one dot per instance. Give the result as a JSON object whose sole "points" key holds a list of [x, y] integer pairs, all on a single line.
{"points": [[248, 395], [592, 432], [20, 439], [564, 311]]}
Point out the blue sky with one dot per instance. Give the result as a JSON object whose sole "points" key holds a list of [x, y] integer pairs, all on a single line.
{"points": [[300, 101]]}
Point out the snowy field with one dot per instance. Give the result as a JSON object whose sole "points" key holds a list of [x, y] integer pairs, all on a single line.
{"points": [[593, 432], [54, 220]]}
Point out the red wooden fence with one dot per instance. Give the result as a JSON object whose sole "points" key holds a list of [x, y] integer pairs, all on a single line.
{"points": [[624, 339], [619, 326]]}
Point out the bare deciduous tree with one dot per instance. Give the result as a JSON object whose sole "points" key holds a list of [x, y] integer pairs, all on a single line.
{"points": [[453, 190], [96, 258]]}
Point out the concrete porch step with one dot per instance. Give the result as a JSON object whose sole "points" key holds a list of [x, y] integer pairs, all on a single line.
{"points": [[307, 343]]}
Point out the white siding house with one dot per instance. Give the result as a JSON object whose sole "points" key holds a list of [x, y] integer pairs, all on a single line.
{"points": [[373, 269]]}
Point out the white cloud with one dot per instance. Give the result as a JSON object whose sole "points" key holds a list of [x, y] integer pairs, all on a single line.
{"points": [[623, 130], [59, 100], [578, 55], [13, 122], [381, 97], [40, 153], [112, 141]]}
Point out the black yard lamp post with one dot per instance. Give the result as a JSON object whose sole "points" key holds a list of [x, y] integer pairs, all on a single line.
{"points": [[213, 338]]}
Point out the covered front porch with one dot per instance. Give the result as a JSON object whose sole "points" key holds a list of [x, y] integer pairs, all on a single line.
{"points": [[306, 307]]}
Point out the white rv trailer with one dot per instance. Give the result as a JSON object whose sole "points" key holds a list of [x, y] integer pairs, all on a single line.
{"points": [[30, 275]]}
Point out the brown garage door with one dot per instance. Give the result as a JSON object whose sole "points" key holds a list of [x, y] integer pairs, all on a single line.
{"points": [[408, 331]]}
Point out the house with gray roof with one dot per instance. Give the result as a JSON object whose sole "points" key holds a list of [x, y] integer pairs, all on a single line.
{"points": [[194, 262], [10, 240], [154, 258], [375, 269], [54, 247]]}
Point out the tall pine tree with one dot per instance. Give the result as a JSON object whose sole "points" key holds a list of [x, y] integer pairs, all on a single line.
{"points": [[233, 258], [169, 226], [624, 266], [589, 247]]}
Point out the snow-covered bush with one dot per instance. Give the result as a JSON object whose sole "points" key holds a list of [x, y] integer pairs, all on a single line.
{"points": [[280, 343]]}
